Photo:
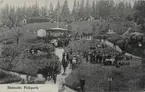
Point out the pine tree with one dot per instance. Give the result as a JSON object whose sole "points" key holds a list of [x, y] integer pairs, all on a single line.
{"points": [[74, 11], [12, 16], [65, 13], [135, 5], [57, 12], [121, 9], [51, 11], [112, 8], [87, 10], [29, 11], [35, 8], [81, 11], [97, 9], [78, 11], [43, 11], [6, 16], [93, 10], [104, 8], [5, 13]]}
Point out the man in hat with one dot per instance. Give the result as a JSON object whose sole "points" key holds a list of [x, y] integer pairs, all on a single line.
{"points": [[82, 83]]}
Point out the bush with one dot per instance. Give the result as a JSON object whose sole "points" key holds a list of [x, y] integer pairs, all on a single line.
{"points": [[8, 42], [114, 38], [142, 81], [10, 52]]}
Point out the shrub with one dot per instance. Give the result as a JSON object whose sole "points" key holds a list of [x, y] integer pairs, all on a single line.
{"points": [[142, 81], [114, 38], [10, 52], [8, 42]]}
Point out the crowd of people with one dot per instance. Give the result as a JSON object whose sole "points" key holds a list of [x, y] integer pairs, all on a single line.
{"points": [[69, 58], [100, 57], [60, 43], [48, 72]]}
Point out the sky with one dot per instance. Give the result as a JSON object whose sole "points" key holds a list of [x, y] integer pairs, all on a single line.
{"points": [[43, 2]]}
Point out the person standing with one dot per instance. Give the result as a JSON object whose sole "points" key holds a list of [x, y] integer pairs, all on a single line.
{"points": [[103, 58], [70, 59], [114, 45], [91, 57], [54, 76], [23, 81], [54, 73], [97, 57], [87, 58], [64, 64], [82, 83], [100, 58], [27, 79]]}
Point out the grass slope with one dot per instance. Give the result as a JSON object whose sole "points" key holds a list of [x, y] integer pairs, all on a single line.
{"points": [[17, 58], [96, 76]]}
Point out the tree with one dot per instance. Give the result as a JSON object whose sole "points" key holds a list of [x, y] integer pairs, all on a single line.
{"points": [[97, 9], [139, 13], [93, 10], [78, 10], [81, 11], [51, 11], [74, 11], [5, 15], [43, 11], [121, 9], [87, 10], [35, 9], [65, 13], [57, 12], [12, 16], [29, 11], [112, 8], [128, 10], [104, 9]]}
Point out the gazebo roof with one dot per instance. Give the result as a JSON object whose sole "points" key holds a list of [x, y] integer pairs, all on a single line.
{"points": [[59, 29]]}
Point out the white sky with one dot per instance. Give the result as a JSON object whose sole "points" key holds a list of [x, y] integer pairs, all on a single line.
{"points": [[43, 2]]}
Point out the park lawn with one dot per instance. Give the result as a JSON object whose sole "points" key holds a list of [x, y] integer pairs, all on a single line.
{"points": [[126, 78]]}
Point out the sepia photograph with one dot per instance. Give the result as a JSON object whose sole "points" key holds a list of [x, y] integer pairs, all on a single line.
{"points": [[73, 45]]}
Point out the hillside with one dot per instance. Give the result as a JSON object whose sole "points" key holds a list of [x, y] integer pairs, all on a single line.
{"points": [[17, 58]]}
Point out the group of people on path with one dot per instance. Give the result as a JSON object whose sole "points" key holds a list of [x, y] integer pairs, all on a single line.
{"points": [[69, 58]]}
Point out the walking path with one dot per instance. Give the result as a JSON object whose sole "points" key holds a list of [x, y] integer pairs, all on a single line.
{"points": [[61, 78]]}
